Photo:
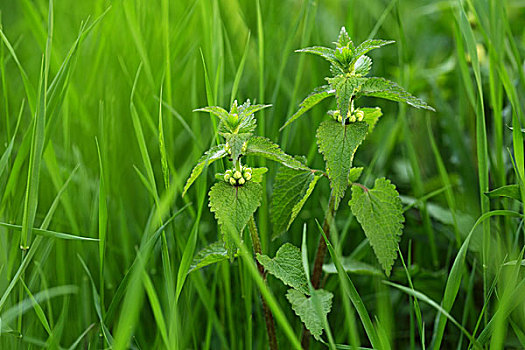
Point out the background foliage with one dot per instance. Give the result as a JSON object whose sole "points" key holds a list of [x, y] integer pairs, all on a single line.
{"points": [[143, 59]]}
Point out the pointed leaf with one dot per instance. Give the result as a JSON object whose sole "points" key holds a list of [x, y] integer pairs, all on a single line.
{"points": [[214, 153], [510, 191], [369, 45], [216, 110], [287, 266], [371, 117], [344, 39], [310, 101], [255, 108], [261, 146], [380, 213], [344, 86], [362, 65], [304, 308], [354, 175], [383, 88], [325, 52], [233, 206], [338, 144], [291, 190], [214, 253]]}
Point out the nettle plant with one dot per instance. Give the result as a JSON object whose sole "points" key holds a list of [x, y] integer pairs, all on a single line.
{"points": [[237, 195]]}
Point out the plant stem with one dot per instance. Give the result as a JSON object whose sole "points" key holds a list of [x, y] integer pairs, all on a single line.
{"points": [[268, 316], [319, 259]]}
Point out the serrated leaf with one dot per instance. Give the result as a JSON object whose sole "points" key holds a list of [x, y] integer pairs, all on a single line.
{"points": [[304, 308], [236, 143], [325, 52], [353, 266], [383, 88], [214, 253], [380, 213], [510, 191], [291, 190], [214, 153], [354, 175], [261, 146], [338, 144], [363, 65], [344, 86], [344, 39], [216, 110], [371, 117], [369, 45], [233, 206], [287, 266], [310, 101]]}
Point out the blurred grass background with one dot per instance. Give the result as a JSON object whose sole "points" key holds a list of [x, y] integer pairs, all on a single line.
{"points": [[143, 62]]}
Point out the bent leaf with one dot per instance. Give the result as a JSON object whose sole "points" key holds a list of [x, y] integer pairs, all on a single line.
{"points": [[383, 88], [214, 153], [369, 45], [310, 101], [264, 147], [371, 117], [344, 86], [304, 308], [214, 253], [510, 191], [353, 266], [287, 266], [338, 144], [291, 190], [355, 174], [216, 110], [325, 52], [380, 213], [233, 206]]}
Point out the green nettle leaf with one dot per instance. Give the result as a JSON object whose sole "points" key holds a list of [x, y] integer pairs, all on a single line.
{"points": [[305, 309], [214, 253], [371, 117], [344, 86], [237, 143], [218, 111], [510, 191], [344, 39], [291, 190], [233, 206], [383, 88], [325, 52], [380, 213], [314, 98], [263, 147], [369, 45], [214, 153], [338, 144], [363, 65], [354, 175], [287, 266]]}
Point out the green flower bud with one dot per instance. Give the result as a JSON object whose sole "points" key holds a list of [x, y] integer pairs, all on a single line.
{"points": [[241, 181], [248, 176], [233, 182], [237, 174], [360, 115], [227, 177], [229, 172], [339, 118], [244, 147], [352, 118]]}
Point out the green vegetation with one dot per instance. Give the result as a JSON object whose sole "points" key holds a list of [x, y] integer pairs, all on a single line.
{"points": [[131, 217]]}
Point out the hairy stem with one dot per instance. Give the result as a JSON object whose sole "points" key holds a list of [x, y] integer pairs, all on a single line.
{"points": [[319, 259], [268, 316]]}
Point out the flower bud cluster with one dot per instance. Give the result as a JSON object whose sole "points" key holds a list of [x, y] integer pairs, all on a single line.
{"points": [[357, 116], [238, 178]]}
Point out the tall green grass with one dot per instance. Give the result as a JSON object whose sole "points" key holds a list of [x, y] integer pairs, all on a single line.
{"points": [[97, 137]]}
